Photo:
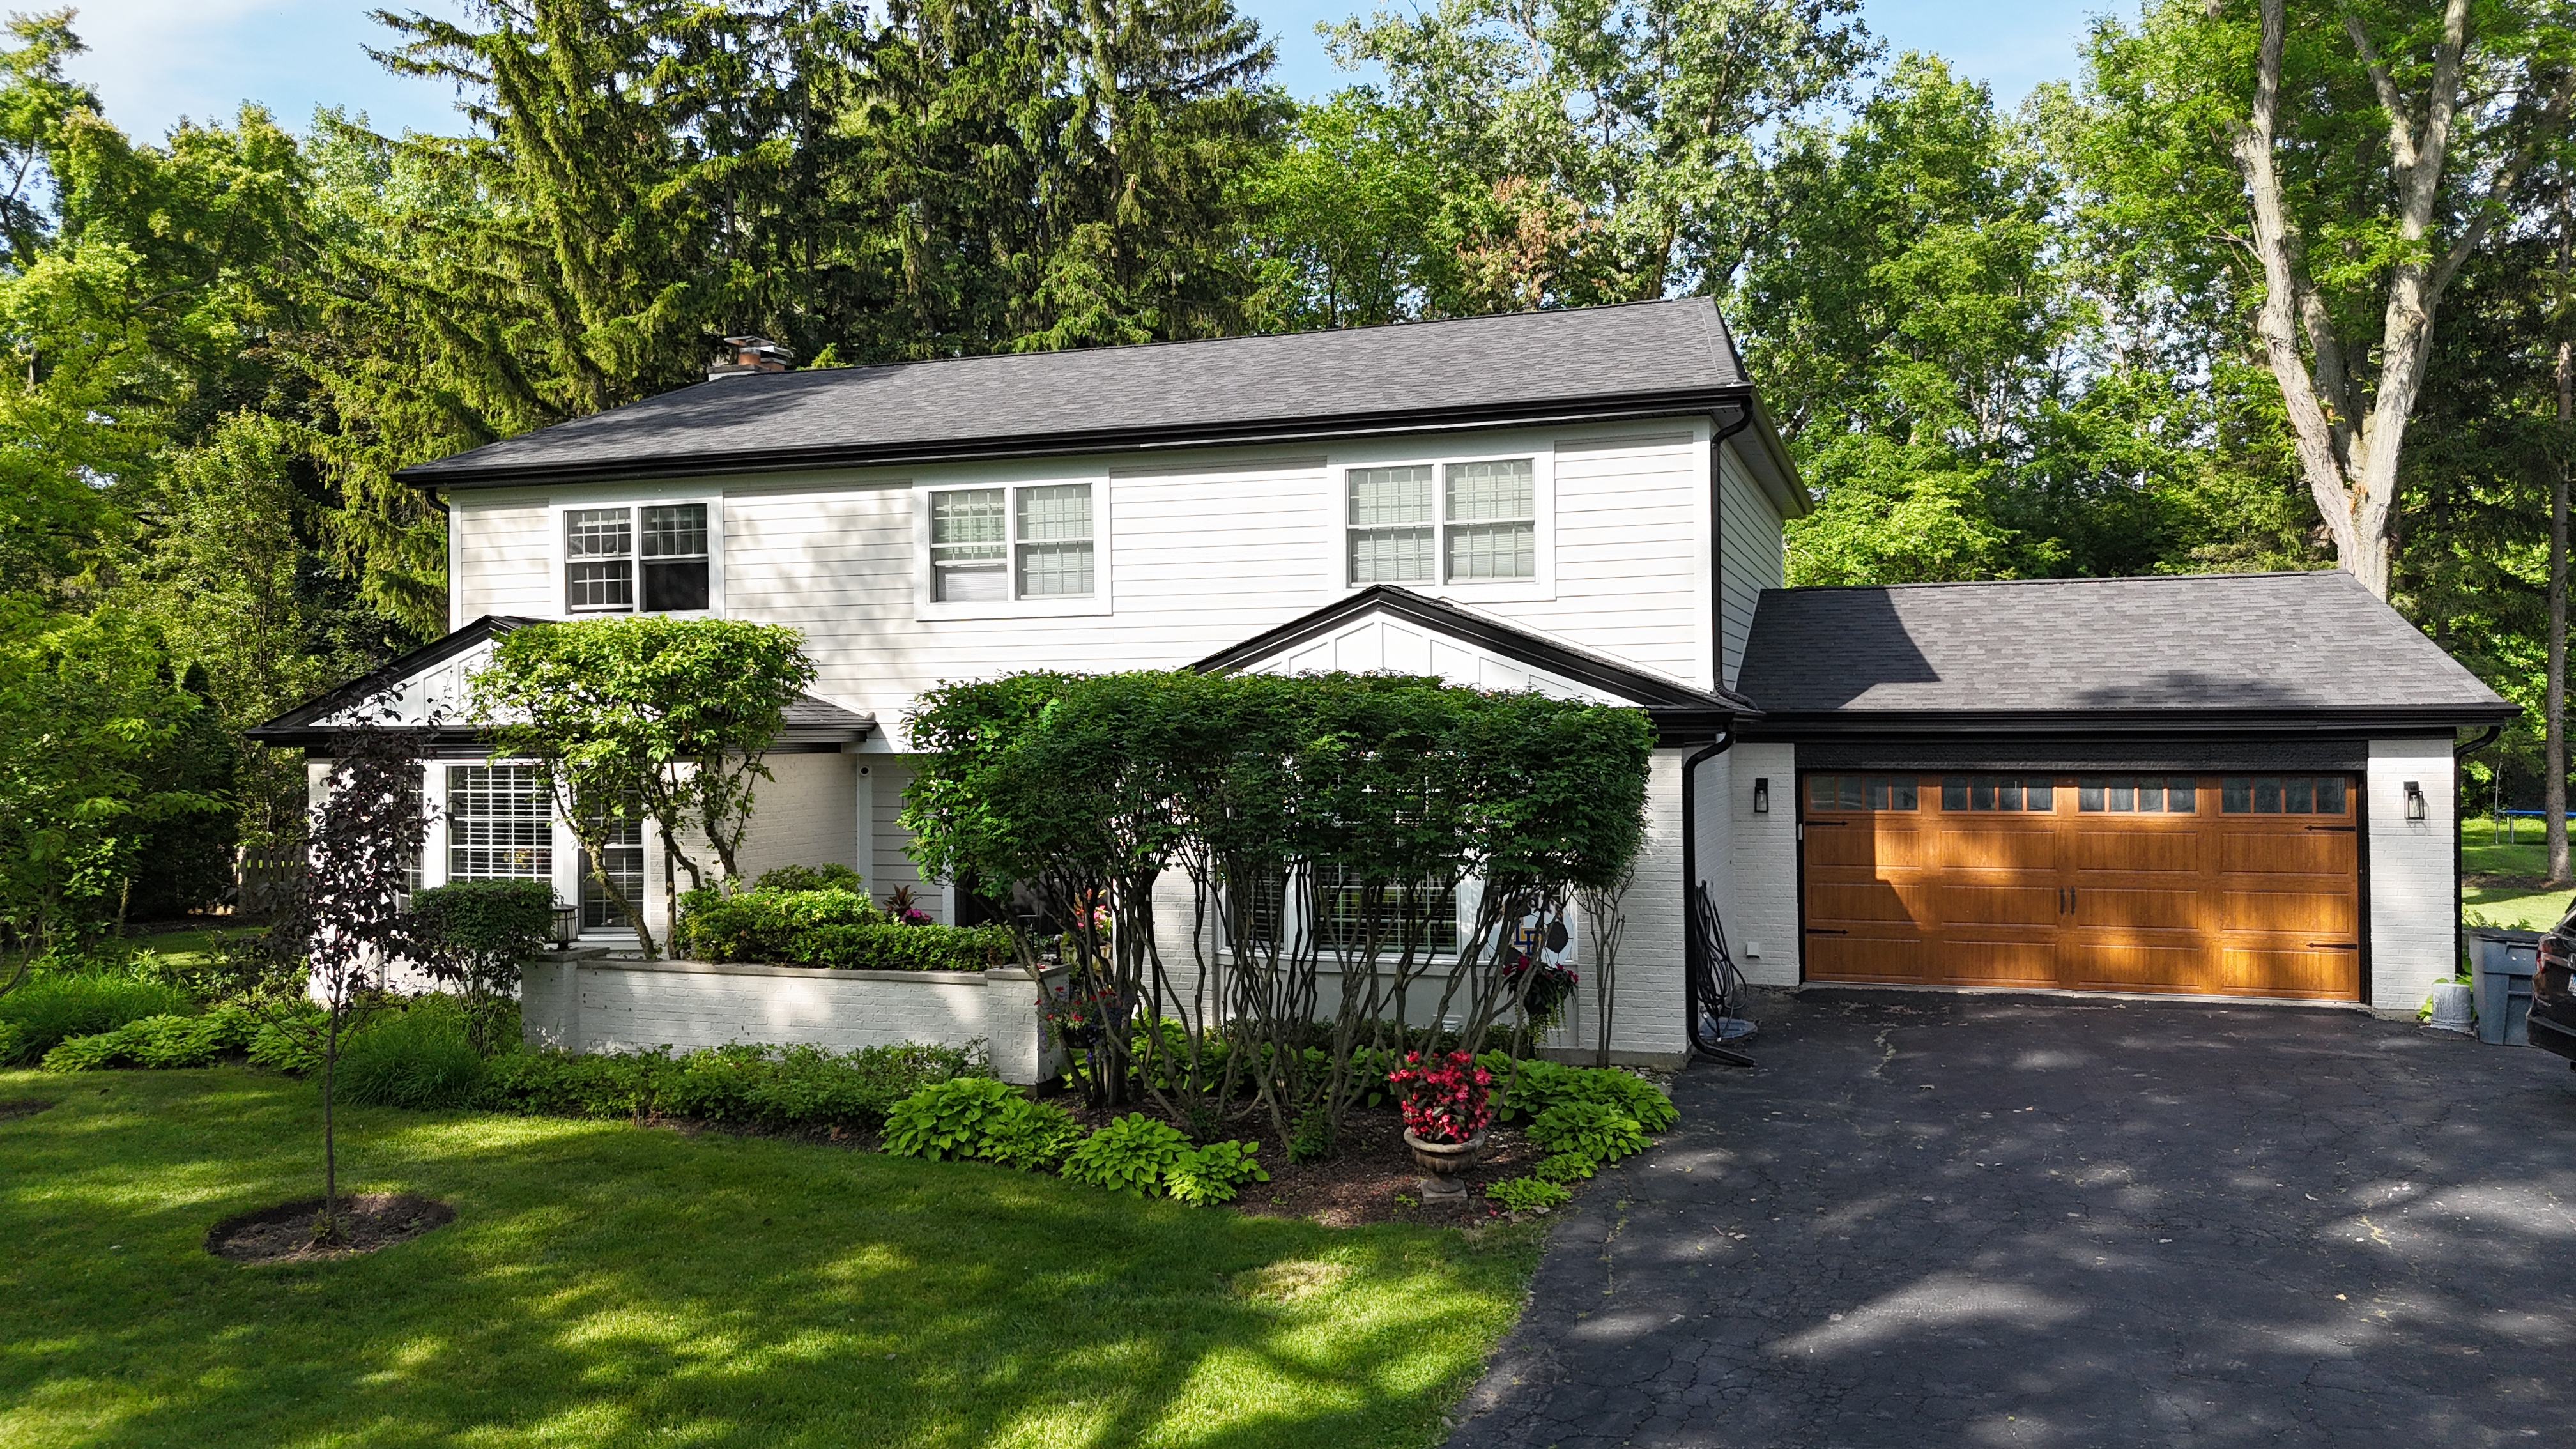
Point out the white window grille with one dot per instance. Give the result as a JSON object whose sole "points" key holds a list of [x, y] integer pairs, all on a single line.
{"points": [[499, 823], [614, 556], [1480, 524], [993, 545]]}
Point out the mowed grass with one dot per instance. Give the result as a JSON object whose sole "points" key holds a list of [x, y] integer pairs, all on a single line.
{"points": [[609, 1285], [2483, 851]]}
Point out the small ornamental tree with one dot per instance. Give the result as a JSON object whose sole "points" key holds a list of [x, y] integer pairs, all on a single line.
{"points": [[673, 717], [344, 920]]}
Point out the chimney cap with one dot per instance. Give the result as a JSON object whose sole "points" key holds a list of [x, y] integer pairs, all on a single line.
{"points": [[750, 354]]}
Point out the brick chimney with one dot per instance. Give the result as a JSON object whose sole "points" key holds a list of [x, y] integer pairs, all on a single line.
{"points": [[749, 354]]}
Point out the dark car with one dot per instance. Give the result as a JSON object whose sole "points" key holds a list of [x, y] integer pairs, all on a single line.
{"points": [[2553, 996]]}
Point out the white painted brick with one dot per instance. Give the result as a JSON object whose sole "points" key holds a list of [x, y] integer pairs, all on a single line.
{"points": [[2413, 934], [1763, 889]]}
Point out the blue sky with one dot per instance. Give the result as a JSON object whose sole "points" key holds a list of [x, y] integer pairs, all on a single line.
{"points": [[154, 61]]}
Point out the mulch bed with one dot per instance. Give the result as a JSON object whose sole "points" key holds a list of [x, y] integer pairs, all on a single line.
{"points": [[23, 1107], [284, 1233]]}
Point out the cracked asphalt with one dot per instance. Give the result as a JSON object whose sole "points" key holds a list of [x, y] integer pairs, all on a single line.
{"points": [[1930, 1220]]}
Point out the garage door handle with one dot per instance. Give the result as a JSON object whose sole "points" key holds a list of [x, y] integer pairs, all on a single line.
{"points": [[2340, 829], [1825, 931], [2334, 945]]}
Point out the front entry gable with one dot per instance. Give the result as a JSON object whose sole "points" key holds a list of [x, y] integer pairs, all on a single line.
{"points": [[1398, 631], [433, 687]]}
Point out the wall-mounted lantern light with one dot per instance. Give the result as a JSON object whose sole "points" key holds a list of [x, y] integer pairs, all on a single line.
{"points": [[2414, 800], [1761, 796], [567, 924]]}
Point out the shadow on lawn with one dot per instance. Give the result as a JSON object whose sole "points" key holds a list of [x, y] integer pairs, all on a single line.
{"points": [[604, 1285]]}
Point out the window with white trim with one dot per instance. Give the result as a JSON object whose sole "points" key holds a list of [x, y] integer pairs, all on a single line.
{"points": [[500, 823], [1467, 522], [994, 545], [655, 554]]}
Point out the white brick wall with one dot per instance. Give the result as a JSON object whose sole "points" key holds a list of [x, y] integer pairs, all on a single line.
{"points": [[1764, 864], [605, 1006], [2413, 935], [808, 815]]}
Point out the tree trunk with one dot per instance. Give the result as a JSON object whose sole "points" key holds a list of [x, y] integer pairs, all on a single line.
{"points": [[326, 1228], [2554, 748]]}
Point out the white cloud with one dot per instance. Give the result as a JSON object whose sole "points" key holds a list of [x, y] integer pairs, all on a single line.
{"points": [[154, 61]]}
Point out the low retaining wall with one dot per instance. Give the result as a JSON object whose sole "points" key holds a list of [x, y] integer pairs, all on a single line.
{"points": [[599, 1005]]}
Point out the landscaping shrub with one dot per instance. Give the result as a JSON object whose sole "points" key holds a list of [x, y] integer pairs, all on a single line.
{"points": [[833, 877], [52, 1008], [1213, 1172], [159, 1042], [1527, 1194], [828, 927], [1531, 1087], [979, 1117], [1133, 1155], [1593, 1131], [419, 1057], [10, 1036], [473, 937], [288, 1048], [799, 1088]]}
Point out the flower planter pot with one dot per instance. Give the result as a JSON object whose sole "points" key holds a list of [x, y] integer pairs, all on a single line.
{"points": [[1442, 1162]]}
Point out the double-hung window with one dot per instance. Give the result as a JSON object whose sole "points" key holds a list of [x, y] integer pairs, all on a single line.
{"points": [[995, 545], [1458, 523], [622, 560], [500, 823]]}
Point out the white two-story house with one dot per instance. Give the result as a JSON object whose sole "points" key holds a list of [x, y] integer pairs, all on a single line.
{"points": [[1588, 503]]}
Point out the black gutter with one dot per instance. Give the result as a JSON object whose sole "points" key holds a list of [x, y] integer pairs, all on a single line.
{"points": [[452, 475], [2166, 722], [2459, 756]]}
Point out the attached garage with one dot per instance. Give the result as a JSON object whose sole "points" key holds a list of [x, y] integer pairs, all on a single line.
{"points": [[2085, 881], [2226, 786]]}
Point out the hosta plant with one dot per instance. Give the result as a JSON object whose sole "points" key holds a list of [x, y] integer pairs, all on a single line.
{"points": [[1134, 1155]]}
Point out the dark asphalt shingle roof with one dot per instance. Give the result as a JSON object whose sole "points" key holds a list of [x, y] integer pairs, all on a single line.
{"points": [[2277, 644], [1579, 361]]}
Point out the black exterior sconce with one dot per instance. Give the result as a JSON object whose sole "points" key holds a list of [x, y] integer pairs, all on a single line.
{"points": [[2414, 800], [1761, 796]]}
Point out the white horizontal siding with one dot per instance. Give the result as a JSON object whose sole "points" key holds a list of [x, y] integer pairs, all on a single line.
{"points": [[504, 560], [1750, 557], [1631, 546]]}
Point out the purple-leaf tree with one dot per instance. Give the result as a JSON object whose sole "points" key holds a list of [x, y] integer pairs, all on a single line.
{"points": [[345, 923]]}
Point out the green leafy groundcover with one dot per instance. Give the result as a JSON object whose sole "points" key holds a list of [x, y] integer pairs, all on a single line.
{"points": [[52, 1007], [603, 1286], [828, 927]]}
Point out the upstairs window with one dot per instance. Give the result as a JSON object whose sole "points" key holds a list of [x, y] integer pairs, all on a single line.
{"points": [[992, 545], [614, 557], [1475, 522]]}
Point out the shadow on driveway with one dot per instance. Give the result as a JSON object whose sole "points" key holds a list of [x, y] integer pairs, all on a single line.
{"points": [[1931, 1220]]}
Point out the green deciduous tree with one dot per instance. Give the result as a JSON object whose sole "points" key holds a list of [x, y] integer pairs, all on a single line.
{"points": [[676, 715]]}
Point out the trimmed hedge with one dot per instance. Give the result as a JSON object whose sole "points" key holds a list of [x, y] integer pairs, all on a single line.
{"points": [[780, 1088], [830, 927]]}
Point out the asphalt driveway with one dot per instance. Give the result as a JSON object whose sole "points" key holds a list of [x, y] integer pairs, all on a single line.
{"points": [[1932, 1220]]}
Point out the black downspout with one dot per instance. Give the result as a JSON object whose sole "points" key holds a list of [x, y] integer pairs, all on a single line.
{"points": [[1692, 966], [2459, 756]]}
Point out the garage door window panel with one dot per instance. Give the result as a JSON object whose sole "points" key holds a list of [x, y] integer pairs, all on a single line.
{"points": [[2010, 794]]}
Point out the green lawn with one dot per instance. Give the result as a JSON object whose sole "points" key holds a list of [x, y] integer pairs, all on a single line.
{"points": [[614, 1286], [2481, 853]]}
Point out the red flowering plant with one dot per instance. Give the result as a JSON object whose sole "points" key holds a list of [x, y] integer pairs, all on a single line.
{"points": [[1448, 1099]]}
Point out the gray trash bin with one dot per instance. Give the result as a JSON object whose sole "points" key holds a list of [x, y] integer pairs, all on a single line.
{"points": [[2503, 961]]}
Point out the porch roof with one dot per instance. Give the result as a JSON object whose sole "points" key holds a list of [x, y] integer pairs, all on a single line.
{"points": [[427, 687]]}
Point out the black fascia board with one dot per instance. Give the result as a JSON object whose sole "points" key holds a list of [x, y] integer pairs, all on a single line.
{"points": [[290, 727], [1888, 726], [1580, 666], [450, 475], [451, 742]]}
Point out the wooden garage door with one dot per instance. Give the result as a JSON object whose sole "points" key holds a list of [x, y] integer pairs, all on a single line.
{"points": [[2233, 885]]}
